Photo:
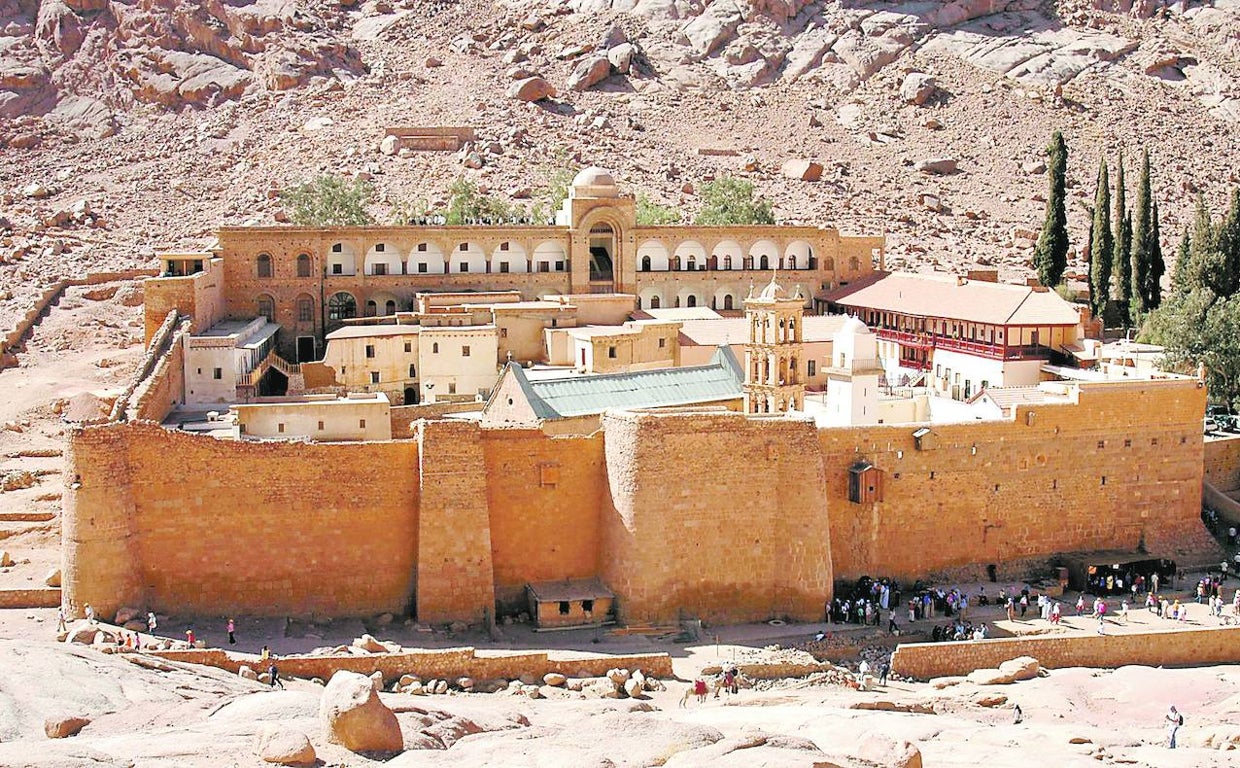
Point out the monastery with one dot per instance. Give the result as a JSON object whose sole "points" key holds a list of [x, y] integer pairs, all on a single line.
{"points": [[455, 423]]}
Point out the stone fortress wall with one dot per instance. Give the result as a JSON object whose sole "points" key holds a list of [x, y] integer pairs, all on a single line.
{"points": [[705, 514]]}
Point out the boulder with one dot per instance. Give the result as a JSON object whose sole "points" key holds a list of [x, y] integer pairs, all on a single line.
{"points": [[6, 560], [63, 727], [83, 634], [126, 614], [369, 644], [937, 166], [1021, 668], [389, 145], [633, 688], [804, 170], [247, 673], [881, 749], [589, 72], [354, 717], [531, 89], [618, 676], [555, 679], [712, 28], [989, 677], [376, 679], [283, 746], [918, 88], [621, 57]]}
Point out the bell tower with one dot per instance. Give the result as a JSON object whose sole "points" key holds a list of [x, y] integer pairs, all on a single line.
{"points": [[774, 378]]}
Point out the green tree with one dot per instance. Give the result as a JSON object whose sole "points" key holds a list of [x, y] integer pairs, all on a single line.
{"points": [[1183, 259], [732, 201], [1223, 266], [1101, 245], [557, 178], [1122, 262], [1199, 328], [1050, 255], [1158, 265], [329, 201], [1141, 246], [650, 213], [467, 205]]}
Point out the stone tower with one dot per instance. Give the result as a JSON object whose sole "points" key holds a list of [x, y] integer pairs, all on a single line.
{"points": [[774, 379]]}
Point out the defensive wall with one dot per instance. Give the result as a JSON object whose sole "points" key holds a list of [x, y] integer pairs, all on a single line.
{"points": [[1156, 649], [713, 515], [1222, 463], [445, 664]]}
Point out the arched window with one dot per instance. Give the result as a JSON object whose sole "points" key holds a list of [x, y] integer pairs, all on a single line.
{"points": [[389, 308], [727, 301], [692, 263], [435, 348], [413, 372], [645, 263], [674, 265], [765, 262], [341, 306], [692, 300], [792, 262], [267, 307], [303, 265], [371, 308], [654, 302], [264, 265], [727, 262], [305, 309]]}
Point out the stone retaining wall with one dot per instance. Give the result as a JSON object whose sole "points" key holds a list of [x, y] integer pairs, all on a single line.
{"points": [[1156, 649], [29, 598], [446, 664]]}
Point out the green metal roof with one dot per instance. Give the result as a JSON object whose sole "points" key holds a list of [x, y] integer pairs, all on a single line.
{"points": [[663, 387]]}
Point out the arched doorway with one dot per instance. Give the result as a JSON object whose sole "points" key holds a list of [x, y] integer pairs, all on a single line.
{"points": [[411, 395], [602, 253]]}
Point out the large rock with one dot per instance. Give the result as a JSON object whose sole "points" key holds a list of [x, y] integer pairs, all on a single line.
{"points": [[355, 718], [803, 170], [621, 57], [936, 166], [284, 747], [531, 89], [918, 88], [53, 578], [1021, 668], [63, 727], [713, 27], [589, 73], [881, 749], [369, 644]]}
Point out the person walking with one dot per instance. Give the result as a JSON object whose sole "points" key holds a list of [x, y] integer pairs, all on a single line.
{"points": [[1174, 721], [883, 671], [90, 613], [1017, 714], [152, 623], [60, 620], [274, 674], [232, 632], [189, 636]]}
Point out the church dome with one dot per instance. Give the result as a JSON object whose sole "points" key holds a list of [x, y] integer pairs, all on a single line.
{"points": [[594, 182]]}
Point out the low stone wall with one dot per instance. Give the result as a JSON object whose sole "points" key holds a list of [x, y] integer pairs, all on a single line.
{"points": [[1155, 649], [445, 664], [29, 598]]}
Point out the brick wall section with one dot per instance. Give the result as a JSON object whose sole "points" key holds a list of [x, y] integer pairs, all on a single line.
{"points": [[715, 515], [543, 498], [1222, 464], [455, 574], [155, 398], [29, 598], [446, 664], [273, 528], [1175, 648], [997, 492], [405, 416]]}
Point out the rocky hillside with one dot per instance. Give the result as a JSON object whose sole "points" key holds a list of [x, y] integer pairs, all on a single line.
{"points": [[126, 127]]}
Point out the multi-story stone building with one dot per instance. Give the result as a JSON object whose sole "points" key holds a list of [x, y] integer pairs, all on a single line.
{"points": [[311, 280]]}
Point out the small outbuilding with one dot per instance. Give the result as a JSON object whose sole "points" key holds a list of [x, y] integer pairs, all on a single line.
{"points": [[571, 603]]}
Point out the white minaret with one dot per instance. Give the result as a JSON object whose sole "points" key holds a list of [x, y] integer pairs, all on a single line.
{"points": [[852, 376]]}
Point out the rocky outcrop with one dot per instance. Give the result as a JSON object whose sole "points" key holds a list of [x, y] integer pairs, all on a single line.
{"points": [[283, 746]]}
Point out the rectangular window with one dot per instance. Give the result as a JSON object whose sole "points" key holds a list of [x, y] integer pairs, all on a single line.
{"points": [[563, 607], [422, 267], [422, 247], [544, 266], [503, 266], [218, 373], [408, 346], [374, 377], [464, 266], [380, 248], [811, 367], [337, 269], [305, 311], [663, 343], [451, 387], [280, 428], [1127, 443], [320, 426], [464, 247], [338, 248], [611, 352], [370, 350], [465, 351], [503, 246], [199, 371], [361, 423], [503, 333], [380, 268], [559, 266], [1102, 444]]}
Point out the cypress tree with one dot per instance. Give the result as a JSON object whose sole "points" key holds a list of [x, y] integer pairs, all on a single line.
{"points": [[1158, 265], [1122, 261], [1050, 255], [1140, 291], [1228, 244], [1101, 245], [1183, 267]]}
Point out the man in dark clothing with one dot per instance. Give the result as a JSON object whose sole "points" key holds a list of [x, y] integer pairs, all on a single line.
{"points": [[275, 676]]}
